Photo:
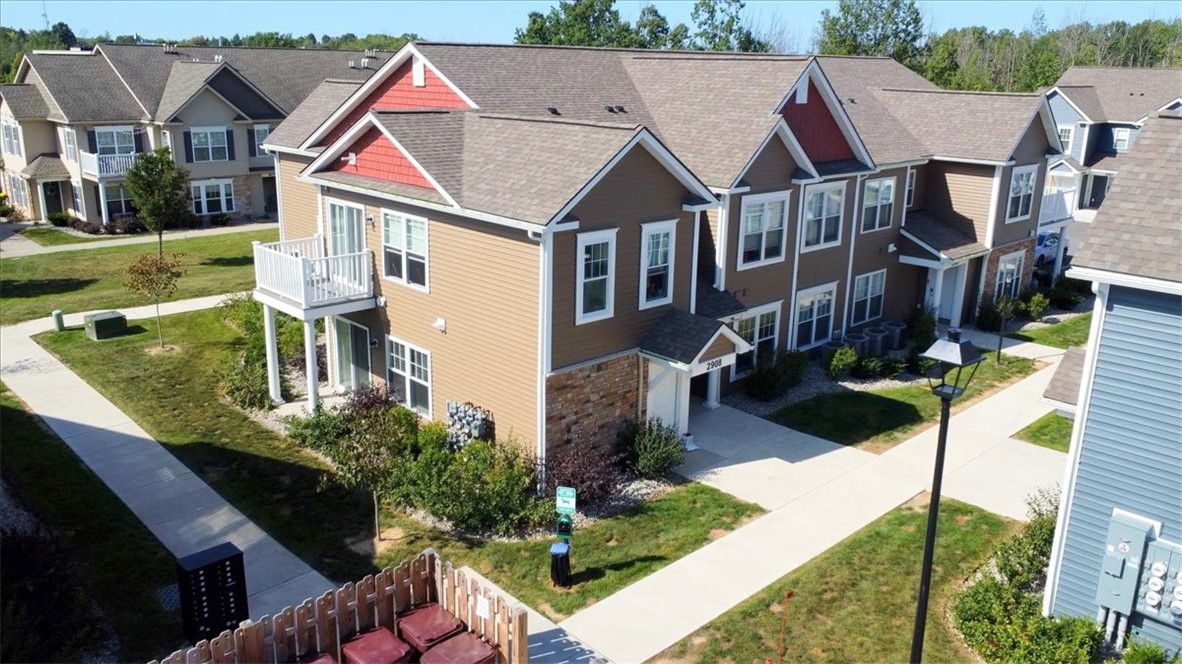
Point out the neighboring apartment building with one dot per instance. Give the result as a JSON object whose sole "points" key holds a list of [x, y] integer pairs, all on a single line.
{"points": [[1098, 113], [1117, 554], [633, 227], [74, 121]]}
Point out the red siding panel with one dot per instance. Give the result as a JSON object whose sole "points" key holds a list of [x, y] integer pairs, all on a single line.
{"points": [[378, 158], [399, 91], [816, 128]]}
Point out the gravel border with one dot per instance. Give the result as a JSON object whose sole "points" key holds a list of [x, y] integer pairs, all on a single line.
{"points": [[814, 383]]}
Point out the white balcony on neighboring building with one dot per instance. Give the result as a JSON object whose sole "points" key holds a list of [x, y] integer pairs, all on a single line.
{"points": [[300, 279], [1057, 205], [107, 165]]}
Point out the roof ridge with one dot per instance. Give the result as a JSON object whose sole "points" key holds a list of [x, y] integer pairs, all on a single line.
{"points": [[1126, 68], [601, 49], [984, 93], [157, 45], [559, 120], [341, 80]]}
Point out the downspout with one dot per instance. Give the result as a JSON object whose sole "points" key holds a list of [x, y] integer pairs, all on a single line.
{"points": [[545, 239], [724, 219], [693, 308], [800, 206], [856, 221], [1073, 452], [278, 194]]}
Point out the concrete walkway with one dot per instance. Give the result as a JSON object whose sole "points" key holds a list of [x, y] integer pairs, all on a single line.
{"points": [[15, 245], [176, 505], [1015, 347], [817, 493]]}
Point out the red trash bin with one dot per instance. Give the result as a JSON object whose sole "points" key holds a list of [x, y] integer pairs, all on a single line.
{"points": [[466, 648], [377, 646], [428, 624]]}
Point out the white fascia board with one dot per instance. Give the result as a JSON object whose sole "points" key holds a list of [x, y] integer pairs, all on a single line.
{"points": [[1125, 280], [782, 130], [741, 346], [944, 260], [271, 147], [720, 191], [360, 94], [972, 160], [920, 262], [817, 76], [1068, 100], [901, 164], [994, 203]]}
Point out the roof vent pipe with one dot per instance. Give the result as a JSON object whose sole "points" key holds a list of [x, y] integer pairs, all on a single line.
{"points": [[365, 63], [620, 109], [352, 64], [609, 108]]}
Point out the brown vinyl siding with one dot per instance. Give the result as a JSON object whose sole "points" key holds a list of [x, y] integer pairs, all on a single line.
{"points": [[484, 283], [638, 190], [972, 286], [872, 252], [921, 177], [721, 346], [1031, 151], [297, 200], [823, 266], [959, 194]]}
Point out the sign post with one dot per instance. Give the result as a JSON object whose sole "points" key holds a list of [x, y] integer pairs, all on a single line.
{"points": [[564, 499]]}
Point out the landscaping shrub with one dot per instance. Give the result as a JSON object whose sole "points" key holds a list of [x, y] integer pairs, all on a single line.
{"points": [[12, 214], [1065, 294], [87, 227], [128, 224], [866, 367], [6, 212], [318, 431], [219, 219], [1022, 560], [842, 362], [656, 449], [988, 315], [771, 377], [921, 327], [1037, 305], [58, 219], [489, 487], [244, 383], [593, 473], [1142, 651]]}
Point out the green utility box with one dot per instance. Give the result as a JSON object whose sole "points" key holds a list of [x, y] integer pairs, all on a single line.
{"points": [[105, 324]]}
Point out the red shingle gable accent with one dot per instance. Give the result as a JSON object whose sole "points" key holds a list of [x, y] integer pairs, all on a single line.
{"points": [[378, 158], [398, 91], [816, 128]]}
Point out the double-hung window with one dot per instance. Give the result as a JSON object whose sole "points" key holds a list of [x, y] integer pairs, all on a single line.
{"points": [[404, 248], [118, 200], [822, 215], [814, 316], [763, 229], [868, 289], [18, 190], [261, 132], [594, 296], [408, 375], [12, 136], [909, 194], [759, 328], [1120, 139], [1021, 193], [71, 144], [166, 140], [213, 196], [209, 144], [1066, 133], [879, 204], [656, 263], [113, 141], [76, 189], [1009, 276]]}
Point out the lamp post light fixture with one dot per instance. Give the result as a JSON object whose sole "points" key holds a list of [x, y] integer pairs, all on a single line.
{"points": [[956, 363]]}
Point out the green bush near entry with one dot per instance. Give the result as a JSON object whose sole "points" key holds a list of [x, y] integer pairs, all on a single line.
{"points": [[773, 377], [655, 451], [842, 362]]}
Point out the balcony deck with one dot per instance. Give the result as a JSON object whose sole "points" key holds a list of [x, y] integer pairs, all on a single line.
{"points": [[296, 277], [1057, 205], [107, 165]]}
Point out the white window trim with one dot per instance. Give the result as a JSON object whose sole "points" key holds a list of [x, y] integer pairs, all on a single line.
{"points": [[1021, 256], [1121, 134], [79, 197], [752, 199], [756, 312], [891, 221], [406, 387], [71, 140], [909, 189], [1070, 136], [808, 292], [325, 220], [584, 239], [646, 231], [854, 298], [1022, 170], [15, 145], [804, 216], [117, 129], [426, 287], [258, 145], [193, 131], [218, 181]]}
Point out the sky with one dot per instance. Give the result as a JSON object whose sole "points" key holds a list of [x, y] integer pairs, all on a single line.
{"points": [[494, 22]]}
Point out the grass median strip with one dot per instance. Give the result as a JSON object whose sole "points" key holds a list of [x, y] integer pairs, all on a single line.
{"points": [[174, 396], [87, 279], [877, 420], [50, 236], [1067, 334], [1052, 431], [856, 601]]}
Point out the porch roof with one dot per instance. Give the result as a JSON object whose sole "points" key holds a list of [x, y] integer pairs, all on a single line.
{"points": [[47, 166], [713, 303], [681, 336], [1064, 385], [934, 233]]}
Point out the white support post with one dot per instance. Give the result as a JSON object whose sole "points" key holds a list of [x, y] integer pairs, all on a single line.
{"points": [[103, 204], [272, 355], [41, 199], [1059, 251], [713, 388], [311, 364], [937, 289]]}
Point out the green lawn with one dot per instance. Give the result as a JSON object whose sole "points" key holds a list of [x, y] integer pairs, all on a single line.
{"points": [[856, 602], [50, 236], [87, 279], [1071, 332], [879, 419], [123, 562], [1052, 431], [174, 396]]}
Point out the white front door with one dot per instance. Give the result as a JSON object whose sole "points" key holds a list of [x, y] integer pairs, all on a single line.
{"points": [[352, 355], [948, 292]]}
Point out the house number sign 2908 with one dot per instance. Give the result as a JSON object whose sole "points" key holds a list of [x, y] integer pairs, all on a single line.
{"points": [[714, 364]]}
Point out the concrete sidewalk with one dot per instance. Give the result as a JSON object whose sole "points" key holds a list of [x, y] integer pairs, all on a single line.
{"points": [[176, 505], [15, 245], [1015, 347], [818, 494]]}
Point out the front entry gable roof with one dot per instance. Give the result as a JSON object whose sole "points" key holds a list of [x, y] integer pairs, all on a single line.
{"points": [[941, 238], [682, 338]]}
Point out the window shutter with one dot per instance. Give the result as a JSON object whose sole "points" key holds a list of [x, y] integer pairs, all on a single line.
{"points": [[138, 137], [250, 140], [230, 144], [188, 146], [92, 141]]}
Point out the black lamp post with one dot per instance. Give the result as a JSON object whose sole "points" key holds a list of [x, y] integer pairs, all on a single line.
{"points": [[956, 363]]}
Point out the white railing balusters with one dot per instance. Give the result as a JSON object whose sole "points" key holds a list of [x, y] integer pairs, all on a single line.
{"points": [[299, 271]]}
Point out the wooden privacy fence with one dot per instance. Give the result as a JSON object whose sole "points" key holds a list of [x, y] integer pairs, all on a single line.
{"points": [[323, 625]]}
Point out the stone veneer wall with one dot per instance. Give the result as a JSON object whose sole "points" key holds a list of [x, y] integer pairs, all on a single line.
{"points": [[994, 257], [587, 405], [242, 196]]}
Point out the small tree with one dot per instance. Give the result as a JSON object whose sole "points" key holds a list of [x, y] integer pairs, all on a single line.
{"points": [[155, 277], [160, 190]]}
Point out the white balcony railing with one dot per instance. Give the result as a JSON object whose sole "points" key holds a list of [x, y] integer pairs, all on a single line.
{"points": [[1057, 205], [298, 271], [107, 165]]}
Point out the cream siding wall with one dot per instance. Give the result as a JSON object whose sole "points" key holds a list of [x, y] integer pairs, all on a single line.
{"points": [[297, 200], [207, 110]]}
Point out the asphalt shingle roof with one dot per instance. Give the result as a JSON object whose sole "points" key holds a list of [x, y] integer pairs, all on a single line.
{"points": [[940, 120], [85, 87], [25, 101], [942, 236], [47, 165], [185, 80], [713, 303], [1126, 94], [1064, 385], [385, 186], [1085, 98], [1138, 229], [680, 336], [315, 109]]}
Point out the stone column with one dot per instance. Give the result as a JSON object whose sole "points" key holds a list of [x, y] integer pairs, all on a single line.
{"points": [[272, 355]]}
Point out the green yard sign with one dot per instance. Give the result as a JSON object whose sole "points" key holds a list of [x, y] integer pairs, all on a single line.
{"points": [[564, 498]]}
